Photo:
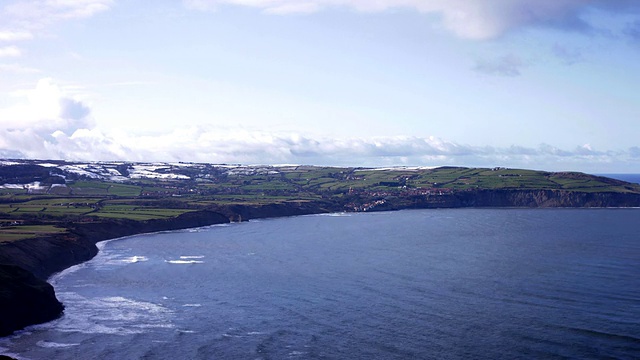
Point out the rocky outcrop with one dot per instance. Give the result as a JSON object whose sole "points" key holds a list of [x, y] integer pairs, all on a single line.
{"points": [[25, 300]]}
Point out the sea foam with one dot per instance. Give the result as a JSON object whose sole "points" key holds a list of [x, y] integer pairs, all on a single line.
{"points": [[135, 259], [110, 315], [184, 261], [49, 344]]}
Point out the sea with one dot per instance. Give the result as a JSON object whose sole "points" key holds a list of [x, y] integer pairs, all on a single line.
{"points": [[632, 178], [412, 284]]}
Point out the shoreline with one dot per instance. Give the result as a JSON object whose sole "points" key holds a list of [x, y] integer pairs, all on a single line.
{"points": [[47, 256], [39, 259]]}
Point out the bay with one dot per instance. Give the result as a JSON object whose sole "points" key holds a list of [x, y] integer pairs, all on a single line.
{"points": [[423, 284]]}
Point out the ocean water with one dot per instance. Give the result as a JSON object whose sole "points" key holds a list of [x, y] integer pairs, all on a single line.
{"points": [[632, 178], [423, 284]]}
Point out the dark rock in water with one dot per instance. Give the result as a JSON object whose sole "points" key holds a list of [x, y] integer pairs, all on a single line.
{"points": [[25, 300], [5, 357]]}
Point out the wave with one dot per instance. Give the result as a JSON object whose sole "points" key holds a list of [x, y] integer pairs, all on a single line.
{"points": [[102, 259], [49, 344], [192, 257], [53, 279], [184, 261], [340, 214], [114, 315], [202, 228], [135, 259], [5, 351]]}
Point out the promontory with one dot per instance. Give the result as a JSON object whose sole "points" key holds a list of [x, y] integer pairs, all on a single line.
{"points": [[52, 212]]}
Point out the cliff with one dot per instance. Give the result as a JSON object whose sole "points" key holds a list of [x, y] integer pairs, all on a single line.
{"points": [[240, 212], [546, 198], [26, 299], [514, 198], [44, 256]]}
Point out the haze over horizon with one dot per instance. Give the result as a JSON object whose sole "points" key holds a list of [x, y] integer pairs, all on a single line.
{"points": [[550, 84]]}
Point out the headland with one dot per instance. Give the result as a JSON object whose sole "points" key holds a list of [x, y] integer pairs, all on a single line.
{"points": [[52, 213]]}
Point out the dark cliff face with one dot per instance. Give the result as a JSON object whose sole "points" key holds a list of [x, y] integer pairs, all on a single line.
{"points": [[111, 229], [545, 198], [25, 300], [47, 255], [514, 198], [291, 208]]}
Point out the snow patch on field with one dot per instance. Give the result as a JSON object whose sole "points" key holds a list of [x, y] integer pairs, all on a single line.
{"points": [[78, 170], [151, 172], [12, 186]]}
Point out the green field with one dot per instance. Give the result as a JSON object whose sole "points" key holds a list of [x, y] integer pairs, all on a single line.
{"points": [[50, 206], [19, 232], [133, 212], [146, 199]]}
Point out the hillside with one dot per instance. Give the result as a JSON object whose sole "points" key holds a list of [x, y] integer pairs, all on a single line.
{"points": [[59, 190], [52, 213]]}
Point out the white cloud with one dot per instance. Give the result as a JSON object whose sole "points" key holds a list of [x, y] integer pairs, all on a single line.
{"points": [[44, 11], [48, 122], [78, 8], [24, 19], [10, 51], [15, 35], [238, 146], [44, 110], [473, 19]]}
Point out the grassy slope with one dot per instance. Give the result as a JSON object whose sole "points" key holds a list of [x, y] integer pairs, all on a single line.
{"points": [[37, 214], [157, 199], [12, 233]]}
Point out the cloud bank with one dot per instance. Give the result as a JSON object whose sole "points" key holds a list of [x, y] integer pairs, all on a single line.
{"points": [[50, 124], [210, 145], [472, 19]]}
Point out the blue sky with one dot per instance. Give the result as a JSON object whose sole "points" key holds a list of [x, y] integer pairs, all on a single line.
{"points": [[547, 84]]}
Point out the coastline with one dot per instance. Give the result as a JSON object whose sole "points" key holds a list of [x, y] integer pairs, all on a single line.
{"points": [[46, 256], [31, 263]]}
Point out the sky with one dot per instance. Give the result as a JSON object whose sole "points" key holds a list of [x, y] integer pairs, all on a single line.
{"points": [[547, 84]]}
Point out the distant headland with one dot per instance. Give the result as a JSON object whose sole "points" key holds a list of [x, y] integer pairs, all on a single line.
{"points": [[52, 213]]}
